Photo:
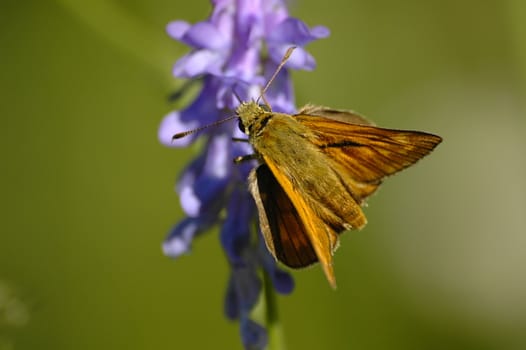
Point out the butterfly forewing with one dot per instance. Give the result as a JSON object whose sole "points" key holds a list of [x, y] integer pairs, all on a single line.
{"points": [[367, 153]]}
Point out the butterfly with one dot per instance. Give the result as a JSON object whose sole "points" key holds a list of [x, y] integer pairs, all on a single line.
{"points": [[317, 168]]}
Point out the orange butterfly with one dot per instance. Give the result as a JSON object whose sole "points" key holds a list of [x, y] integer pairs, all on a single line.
{"points": [[318, 167]]}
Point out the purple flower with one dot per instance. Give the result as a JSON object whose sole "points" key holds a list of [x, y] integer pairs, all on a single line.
{"points": [[234, 52]]}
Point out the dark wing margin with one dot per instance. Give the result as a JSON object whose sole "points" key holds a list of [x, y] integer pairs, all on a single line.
{"points": [[282, 229]]}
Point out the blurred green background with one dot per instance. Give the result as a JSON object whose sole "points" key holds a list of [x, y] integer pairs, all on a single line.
{"points": [[87, 190]]}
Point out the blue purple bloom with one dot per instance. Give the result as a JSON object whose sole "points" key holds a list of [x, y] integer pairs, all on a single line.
{"points": [[235, 51]]}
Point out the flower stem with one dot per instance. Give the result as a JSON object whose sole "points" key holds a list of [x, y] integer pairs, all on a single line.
{"points": [[276, 338]]}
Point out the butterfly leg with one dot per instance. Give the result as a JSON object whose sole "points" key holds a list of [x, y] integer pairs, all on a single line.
{"points": [[245, 158], [238, 139]]}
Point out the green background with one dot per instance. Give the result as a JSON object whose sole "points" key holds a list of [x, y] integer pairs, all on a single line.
{"points": [[87, 190]]}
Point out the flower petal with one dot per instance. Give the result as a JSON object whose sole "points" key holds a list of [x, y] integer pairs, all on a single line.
{"points": [[320, 32], [293, 31], [253, 335], [205, 35], [247, 285], [172, 124], [177, 29], [275, 12], [282, 280], [235, 232], [244, 65], [180, 238], [231, 306], [203, 186], [201, 112], [190, 202], [300, 58], [223, 18], [197, 63], [219, 159], [206, 194]]}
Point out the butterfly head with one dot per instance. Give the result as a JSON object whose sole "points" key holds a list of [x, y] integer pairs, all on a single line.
{"points": [[250, 114]]}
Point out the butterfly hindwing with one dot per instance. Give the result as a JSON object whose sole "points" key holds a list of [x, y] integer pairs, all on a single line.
{"points": [[282, 228], [318, 228], [334, 114]]}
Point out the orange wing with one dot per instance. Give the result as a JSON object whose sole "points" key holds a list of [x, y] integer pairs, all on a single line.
{"points": [[366, 154]]}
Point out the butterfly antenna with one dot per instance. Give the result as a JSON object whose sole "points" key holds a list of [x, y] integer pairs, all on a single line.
{"points": [[237, 96], [283, 61], [180, 135]]}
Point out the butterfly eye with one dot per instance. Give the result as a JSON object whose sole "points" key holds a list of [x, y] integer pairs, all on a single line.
{"points": [[241, 126], [265, 107]]}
